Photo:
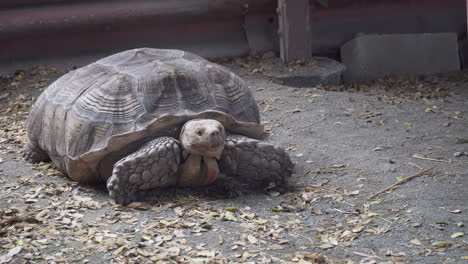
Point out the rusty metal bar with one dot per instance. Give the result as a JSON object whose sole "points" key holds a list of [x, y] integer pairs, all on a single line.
{"points": [[294, 30], [209, 28], [95, 13]]}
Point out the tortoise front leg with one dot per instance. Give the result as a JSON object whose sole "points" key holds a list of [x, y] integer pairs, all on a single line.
{"points": [[154, 165], [255, 161]]}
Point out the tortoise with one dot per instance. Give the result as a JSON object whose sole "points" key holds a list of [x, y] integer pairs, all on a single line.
{"points": [[152, 118]]}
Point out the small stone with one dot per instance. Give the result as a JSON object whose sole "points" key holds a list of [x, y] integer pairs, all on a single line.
{"points": [[381, 148], [391, 161], [416, 224], [446, 124], [337, 166], [459, 154]]}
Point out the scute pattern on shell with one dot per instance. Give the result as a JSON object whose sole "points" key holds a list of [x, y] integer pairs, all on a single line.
{"points": [[93, 116]]}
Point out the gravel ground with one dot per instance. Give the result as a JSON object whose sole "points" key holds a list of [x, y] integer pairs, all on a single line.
{"points": [[348, 143]]}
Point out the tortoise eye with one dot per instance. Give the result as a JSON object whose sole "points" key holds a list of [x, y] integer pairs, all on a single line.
{"points": [[199, 132]]}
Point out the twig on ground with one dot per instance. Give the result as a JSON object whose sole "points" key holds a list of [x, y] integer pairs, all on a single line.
{"points": [[417, 166], [310, 240], [419, 173], [367, 255], [331, 170], [416, 156], [385, 219], [344, 212]]}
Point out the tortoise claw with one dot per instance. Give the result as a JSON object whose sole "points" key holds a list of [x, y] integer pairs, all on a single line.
{"points": [[34, 155]]}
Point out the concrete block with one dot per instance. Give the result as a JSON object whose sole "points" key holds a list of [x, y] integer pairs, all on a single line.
{"points": [[369, 57], [319, 71]]}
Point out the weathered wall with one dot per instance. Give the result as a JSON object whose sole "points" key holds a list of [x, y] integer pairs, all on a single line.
{"points": [[211, 28]]}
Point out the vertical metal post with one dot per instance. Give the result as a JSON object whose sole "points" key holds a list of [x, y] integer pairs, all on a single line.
{"points": [[294, 30]]}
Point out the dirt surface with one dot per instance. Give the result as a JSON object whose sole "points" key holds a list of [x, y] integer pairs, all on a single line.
{"points": [[348, 143]]}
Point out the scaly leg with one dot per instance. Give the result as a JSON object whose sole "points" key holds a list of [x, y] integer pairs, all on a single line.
{"points": [[255, 161], [154, 165]]}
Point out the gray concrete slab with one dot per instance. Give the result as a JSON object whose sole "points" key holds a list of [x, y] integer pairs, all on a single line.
{"points": [[370, 57], [319, 71]]}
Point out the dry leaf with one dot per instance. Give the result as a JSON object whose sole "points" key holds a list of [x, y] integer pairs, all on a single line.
{"points": [[326, 246], [231, 209], [273, 193], [3, 96], [146, 237], [173, 251], [294, 111], [252, 239], [440, 244], [179, 211], [206, 226], [229, 216], [356, 192], [246, 255], [14, 251], [118, 251], [458, 234], [316, 258]]}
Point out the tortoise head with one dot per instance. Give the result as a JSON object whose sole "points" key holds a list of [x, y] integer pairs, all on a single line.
{"points": [[203, 137]]}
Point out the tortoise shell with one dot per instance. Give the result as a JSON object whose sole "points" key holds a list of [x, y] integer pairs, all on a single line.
{"points": [[94, 116]]}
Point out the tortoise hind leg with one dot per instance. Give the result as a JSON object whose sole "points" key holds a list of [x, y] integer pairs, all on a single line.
{"points": [[255, 161], [153, 165], [33, 154]]}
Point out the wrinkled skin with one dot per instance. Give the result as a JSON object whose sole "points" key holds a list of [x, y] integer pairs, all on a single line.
{"points": [[204, 137]]}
